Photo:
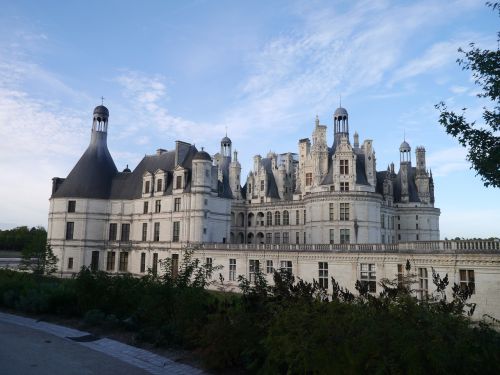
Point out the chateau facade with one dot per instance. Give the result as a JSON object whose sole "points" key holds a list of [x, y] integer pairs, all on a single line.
{"points": [[301, 211]]}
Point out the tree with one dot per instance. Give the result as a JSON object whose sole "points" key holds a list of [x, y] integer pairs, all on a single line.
{"points": [[483, 142], [37, 255]]}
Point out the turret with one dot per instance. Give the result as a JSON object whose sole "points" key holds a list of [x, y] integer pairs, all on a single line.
{"points": [[405, 165], [234, 176], [340, 126]]}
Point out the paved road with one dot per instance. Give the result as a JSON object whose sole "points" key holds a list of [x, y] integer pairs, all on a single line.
{"points": [[31, 347]]}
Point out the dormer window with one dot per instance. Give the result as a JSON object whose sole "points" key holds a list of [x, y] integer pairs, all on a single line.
{"points": [[344, 166], [309, 178], [147, 185], [178, 182], [344, 186], [159, 185]]}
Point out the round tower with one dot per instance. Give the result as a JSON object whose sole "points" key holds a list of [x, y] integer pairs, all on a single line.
{"points": [[405, 152], [340, 126]]}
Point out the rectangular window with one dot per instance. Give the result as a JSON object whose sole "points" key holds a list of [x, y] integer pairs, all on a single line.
{"points": [[71, 206], [344, 211], [309, 178], [305, 240], [158, 205], [94, 262], [156, 234], [143, 263], [323, 274], [175, 265], [112, 231], [146, 187], [70, 263], [269, 237], [344, 166], [399, 226], [297, 217], [286, 266], [330, 212], [416, 226], [125, 232], [154, 267], [176, 231], [344, 186], [178, 182], [286, 218], [467, 279], [269, 266], [249, 188], [305, 216], [261, 185], [297, 237], [382, 221], [285, 238], [209, 262], [400, 275], [232, 269], [269, 219], [423, 283], [144, 231], [368, 276], [383, 238], [332, 236], [277, 238], [70, 228], [123, 266], [145, 208], [253, 267], [159, 185], [345, 236], [110, 261], [177, 204]]}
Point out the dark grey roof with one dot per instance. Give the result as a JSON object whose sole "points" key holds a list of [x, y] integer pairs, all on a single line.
{"points": [[404, 146], [202, 155], [272, 188], [340, 111], [225, 140], [412, 187], [361, 178], [101, 110], [91, 177]]}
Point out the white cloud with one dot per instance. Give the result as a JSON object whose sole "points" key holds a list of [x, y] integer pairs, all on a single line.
{"points": [[446, 161], [458, 89]]}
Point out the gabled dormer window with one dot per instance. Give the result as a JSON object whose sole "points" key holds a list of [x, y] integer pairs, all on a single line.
{"points": [[159, 185], [344, 166], [178, 182], [147, 185]]}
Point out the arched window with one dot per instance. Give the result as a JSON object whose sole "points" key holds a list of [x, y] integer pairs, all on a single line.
{"points": [[269, 219], [277, 218], [286, 218]]}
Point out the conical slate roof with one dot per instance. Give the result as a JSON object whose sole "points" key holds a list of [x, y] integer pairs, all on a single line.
{"points": [[92, 175]]}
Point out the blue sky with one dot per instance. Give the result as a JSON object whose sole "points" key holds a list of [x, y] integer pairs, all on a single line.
{"points": [[264, 69]]}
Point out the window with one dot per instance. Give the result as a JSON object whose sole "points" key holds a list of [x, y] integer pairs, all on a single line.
{"points": [[206, 201], [269, 266], [269, 237], [309, 178], [383, 238], [344, 166], [400, 275], [285, 237], [175, 265], [94, 263], [382, 221], [277, 218], [209, 262], [418, 238], [159, 185], [416, 217], [70, 228], [249, 188], [71, 206], [177, 204], [156, 234], [423, 283], [143, 263], [304, 216], [158, 205], [344, 186], [144, 231], [467, 279], [207, 173], [399, 237], [368, 277], [112, 231], [330, 212], [232, 269], [145, 208], [176, 231], [269, 219], [125, 232], [154, 267], [70, 263], [399, 226], [178, 182], [262, 185], [110, 261], [297, 217], [286, 218], [146, 186], [345, 236], [286, 266], [332, 236], [277, 237], [323, 274], [305, 240], [297, 237], [123, 266], [416, 226], [253, 267], [344, 211]]}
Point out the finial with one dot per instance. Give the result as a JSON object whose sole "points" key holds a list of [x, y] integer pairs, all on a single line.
{"points": [[404, 135], [203, 149], [226, 130], [317, 120], [340, 100], [102, 100]]}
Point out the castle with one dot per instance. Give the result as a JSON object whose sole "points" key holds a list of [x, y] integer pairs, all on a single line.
{"points": [[319, 212]]}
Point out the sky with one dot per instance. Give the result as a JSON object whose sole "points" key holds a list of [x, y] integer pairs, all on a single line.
{"points": [[189, 70]]}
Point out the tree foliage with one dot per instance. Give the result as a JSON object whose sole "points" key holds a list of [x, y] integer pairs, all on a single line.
{"points": [[18, 238], [37, 255], [483, 142]]}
